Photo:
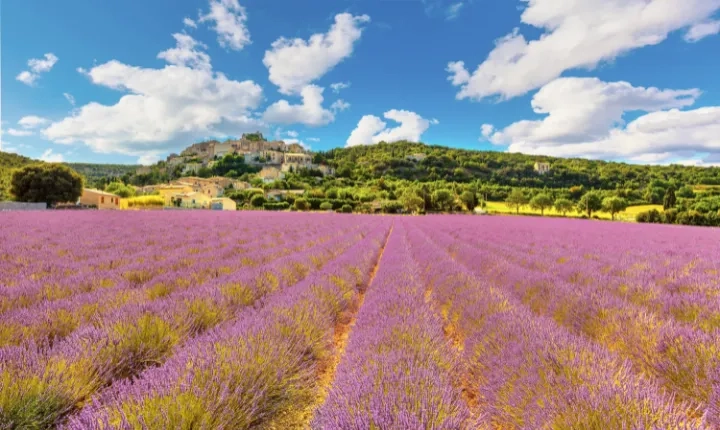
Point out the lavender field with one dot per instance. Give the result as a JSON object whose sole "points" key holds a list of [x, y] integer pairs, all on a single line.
{"points": [[230, 320]]}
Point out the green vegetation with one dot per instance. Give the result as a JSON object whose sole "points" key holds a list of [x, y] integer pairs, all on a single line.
{"points": [[8, 162], [382, 178], [50, 183], [120, 189], [99, 175]]}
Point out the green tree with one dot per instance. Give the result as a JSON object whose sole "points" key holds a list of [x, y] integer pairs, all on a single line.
{"points": [[412, 202], [442, 200], [258, 200], [564, 206], [589, 203], [669, 199], [613, 205], [301, 204], [346, 209], [685, 192], [516, 199], [541, 202], [120, 189], [326, 206], [469, 199], [51, 183]]}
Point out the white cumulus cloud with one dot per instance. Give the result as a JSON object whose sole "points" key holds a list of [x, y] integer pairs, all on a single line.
{"points": [[19, 133], [294, 63], [339, 105], [189, 22], [162, 108], [576, 34], [37, 66], [32, 121], [702, 30], [310, 112], [230, 23], [584, 118], [337, 86], [371, 129]]}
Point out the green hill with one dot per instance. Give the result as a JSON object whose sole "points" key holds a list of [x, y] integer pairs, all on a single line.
{"points": [[363, 163], [96, 175]]}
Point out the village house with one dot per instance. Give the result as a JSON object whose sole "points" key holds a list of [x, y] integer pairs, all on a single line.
{"points": [[271, 174], [193, 200], [241, 185], [326, 170], [273, 157], [169, 191], [219, 150], [542, 167], [223, 204], [302, 159], [101, 199]]}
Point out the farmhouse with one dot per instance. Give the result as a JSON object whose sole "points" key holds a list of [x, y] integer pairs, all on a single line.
{"points": [[223, 204], [193, 200], [542, 167], [101, 199]]}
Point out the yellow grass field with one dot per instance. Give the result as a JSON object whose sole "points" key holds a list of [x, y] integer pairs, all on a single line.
{"points": [[627, 215]]}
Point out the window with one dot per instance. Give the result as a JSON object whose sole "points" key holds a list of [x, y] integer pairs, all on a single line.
{"points": [[102, 199]]}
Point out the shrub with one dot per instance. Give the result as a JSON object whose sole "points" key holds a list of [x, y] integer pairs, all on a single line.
{"points": [[258, 200], [301, 204], [326, 206], [346, 209]]}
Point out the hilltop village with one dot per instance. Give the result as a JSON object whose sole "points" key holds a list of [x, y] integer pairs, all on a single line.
{"points": [[193, 188]]}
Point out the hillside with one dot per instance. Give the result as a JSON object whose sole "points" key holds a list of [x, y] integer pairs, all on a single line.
{"points": [[499, 168], [95, 174], [8, 162]]}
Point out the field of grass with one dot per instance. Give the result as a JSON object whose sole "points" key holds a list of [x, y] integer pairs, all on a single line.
{"points": [[627, 215], [324, 321]]}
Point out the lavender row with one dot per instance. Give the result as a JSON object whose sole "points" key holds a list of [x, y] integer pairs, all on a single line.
{"points": [[398, 368], [125, 342], [53, 320], [663, 276], [56, 278], [262, 369], [679, 356], [523, 371]]}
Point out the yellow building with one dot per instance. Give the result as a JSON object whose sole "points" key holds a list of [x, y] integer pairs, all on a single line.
{"points": [[193, 200], [223, 203], [101, 199], [168, 191]]}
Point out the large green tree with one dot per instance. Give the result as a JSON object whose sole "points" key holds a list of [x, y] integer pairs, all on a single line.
{"points": [[613, 205], [516, 199], [120, 189], [442, 200], [669, 200], [541, 202], [590, 202], [50, 183], [469, 199], [564, 205]]}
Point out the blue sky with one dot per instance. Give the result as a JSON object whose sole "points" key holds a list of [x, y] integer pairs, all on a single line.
{"points": [[131, 81]]}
